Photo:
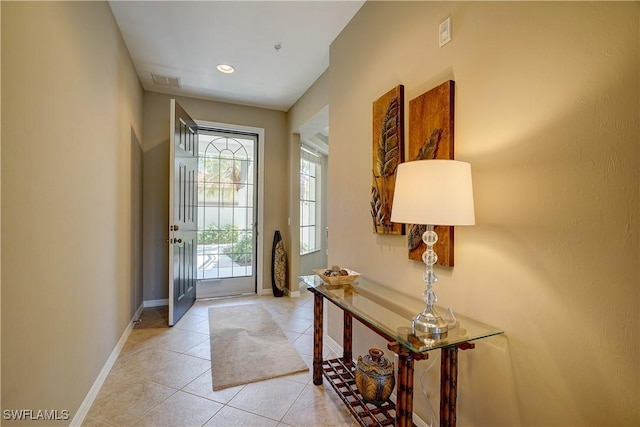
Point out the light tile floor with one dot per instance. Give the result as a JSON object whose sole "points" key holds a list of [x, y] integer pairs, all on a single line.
{"points": [[163, 376]]}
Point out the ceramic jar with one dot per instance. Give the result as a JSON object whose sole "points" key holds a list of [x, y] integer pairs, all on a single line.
{"points": [[375, 377]]}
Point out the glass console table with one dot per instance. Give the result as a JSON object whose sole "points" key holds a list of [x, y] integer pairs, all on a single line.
{"points": [[388, 313]]}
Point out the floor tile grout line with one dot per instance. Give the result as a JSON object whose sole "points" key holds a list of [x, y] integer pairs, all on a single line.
{"points": [[139, 378], [157, 347], [252, 413], [293, 403], [153, 407]]}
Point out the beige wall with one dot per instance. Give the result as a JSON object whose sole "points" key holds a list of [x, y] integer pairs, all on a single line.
{"points": [[0, 201], [547, 108], [72, 116], [156, 178]]}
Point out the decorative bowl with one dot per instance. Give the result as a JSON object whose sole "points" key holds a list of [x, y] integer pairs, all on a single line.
{"points": [[337, 280]]}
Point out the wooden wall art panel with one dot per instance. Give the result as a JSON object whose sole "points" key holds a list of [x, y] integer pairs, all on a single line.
{"points": [[388, 153], [431, 137]]}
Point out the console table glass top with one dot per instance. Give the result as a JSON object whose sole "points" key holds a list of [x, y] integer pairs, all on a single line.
{"points": [[391, 311]]}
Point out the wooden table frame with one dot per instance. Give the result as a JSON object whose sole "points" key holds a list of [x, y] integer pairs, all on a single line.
{"points": [[406, 357]]}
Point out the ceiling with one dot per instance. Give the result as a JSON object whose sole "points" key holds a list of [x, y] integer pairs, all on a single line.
{"points": [[186, 40]]}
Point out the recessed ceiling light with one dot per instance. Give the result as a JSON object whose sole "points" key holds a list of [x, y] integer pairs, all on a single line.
{"points": [[226, 68]]}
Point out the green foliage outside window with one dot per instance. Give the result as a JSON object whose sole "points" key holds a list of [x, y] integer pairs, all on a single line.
{"points": [[212, 235], [238, 244], [241, 252]]}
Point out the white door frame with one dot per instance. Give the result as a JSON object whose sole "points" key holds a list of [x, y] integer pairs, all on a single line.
{"points": [[260, 213]]}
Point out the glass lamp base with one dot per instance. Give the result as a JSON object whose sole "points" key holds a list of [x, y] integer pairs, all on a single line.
{"points": [[430, 325]]}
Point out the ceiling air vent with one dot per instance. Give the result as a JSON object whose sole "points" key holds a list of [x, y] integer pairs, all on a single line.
{"points": [[165, 80]]}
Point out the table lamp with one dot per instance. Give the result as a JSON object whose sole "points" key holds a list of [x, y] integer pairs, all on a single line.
{"points": [[432, 192]]}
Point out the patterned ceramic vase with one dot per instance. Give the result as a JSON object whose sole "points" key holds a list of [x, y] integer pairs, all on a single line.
{"points": [[279, 266], [375, 377]]}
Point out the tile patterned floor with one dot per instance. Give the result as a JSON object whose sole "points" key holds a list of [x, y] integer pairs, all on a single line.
{"points": [[163, 376]]}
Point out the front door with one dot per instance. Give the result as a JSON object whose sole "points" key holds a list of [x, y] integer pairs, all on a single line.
{"points": [[183, 208]]}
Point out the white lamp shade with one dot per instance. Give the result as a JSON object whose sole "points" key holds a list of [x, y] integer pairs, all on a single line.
{"points": [[433, 192]]}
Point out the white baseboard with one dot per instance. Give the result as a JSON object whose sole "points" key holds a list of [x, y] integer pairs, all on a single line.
{"points": [[156, 302], [97, 384], [419, 422], [269, 292], [294, 294], [332, 344]]}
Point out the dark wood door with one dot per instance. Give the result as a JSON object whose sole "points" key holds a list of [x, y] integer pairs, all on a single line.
{"points": [[183, 208]]}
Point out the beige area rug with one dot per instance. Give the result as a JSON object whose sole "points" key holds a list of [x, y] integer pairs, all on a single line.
{"points": [[248, 346]]}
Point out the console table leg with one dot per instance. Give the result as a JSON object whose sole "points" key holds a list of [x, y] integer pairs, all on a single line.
{"points": [[449, 383], [448, 386], [404, 386], [347, 337], [317, 338], [404, 401]]}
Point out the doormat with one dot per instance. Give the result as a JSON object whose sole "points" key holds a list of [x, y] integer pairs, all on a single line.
{"points": [[248, 346]]}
